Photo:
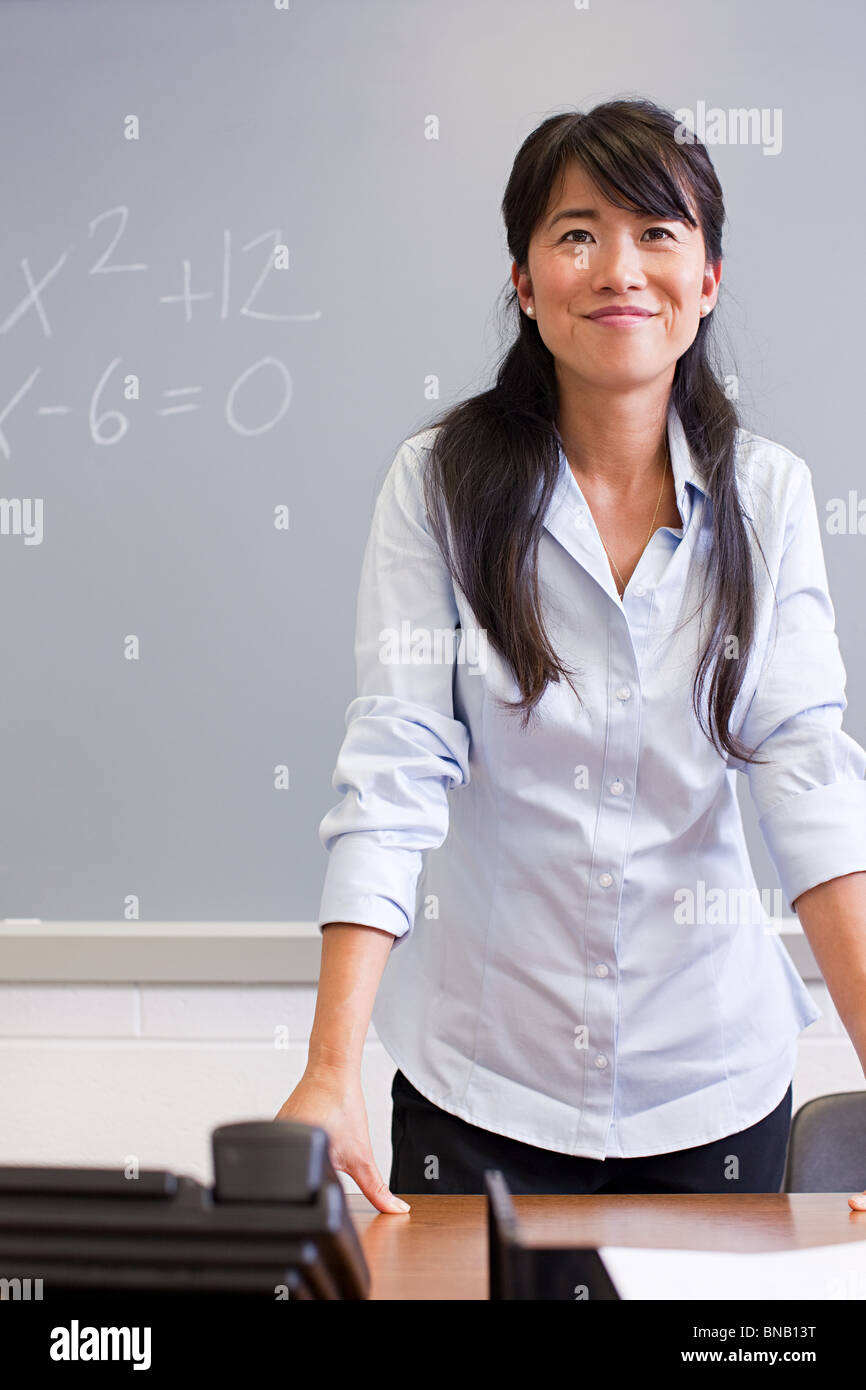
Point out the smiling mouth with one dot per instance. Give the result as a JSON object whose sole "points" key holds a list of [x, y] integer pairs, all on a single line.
{"points": [[610, 310], [620, 319]]}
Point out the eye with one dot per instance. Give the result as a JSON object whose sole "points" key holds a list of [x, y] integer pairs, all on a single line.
{"points": [[582, 232]]}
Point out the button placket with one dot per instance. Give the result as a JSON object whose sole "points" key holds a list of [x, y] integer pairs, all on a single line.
{"points": [[602, 926]]}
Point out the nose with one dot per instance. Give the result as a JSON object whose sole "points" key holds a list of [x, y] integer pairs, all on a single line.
{"points": [[616, 266]]}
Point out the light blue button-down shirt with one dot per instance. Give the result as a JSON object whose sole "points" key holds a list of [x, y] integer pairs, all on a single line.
{"points": [[582, 958]]}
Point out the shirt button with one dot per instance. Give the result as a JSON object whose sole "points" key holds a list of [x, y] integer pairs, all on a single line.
{"points": [[601, 971], [623, 693], [600, 1062], [605, 880], [617, 788], [639, 590]]}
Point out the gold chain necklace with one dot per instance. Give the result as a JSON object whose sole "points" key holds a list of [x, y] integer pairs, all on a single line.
{"points": [[652, 524]]}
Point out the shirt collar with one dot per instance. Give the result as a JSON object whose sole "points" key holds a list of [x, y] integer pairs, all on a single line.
{"points": [[681, 458]]}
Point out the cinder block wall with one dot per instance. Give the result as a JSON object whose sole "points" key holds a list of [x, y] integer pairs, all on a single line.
{"points": [[97, 1074]]}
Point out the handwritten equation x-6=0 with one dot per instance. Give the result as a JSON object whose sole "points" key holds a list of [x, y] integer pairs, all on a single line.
{"points": [[108, 426]]}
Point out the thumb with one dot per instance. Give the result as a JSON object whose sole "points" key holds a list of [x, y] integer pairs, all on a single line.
{"points": [[375, 1189]]}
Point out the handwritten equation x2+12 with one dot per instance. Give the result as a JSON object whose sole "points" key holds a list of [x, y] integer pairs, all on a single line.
{"points": [[108, 426]]}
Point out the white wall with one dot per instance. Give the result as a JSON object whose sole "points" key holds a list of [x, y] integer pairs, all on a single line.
{"points": [[93, 1073]]}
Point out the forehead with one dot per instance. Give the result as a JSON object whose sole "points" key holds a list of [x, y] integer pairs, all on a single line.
{"points": [[576, 189], [573, 179]]}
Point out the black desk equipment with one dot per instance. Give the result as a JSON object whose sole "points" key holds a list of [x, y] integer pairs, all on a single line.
{"points": [[274, 1224], [521, 1271]]}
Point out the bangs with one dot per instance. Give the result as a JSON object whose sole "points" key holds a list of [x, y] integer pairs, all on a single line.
{"points": [[628, 174]]}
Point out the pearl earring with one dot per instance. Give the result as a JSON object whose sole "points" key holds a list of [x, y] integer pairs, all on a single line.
{"points": [[530, 311], [705, 309]]}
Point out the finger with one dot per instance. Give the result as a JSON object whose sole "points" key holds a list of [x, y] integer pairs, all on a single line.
{"points": [[375, 1189], [857, 1201]]}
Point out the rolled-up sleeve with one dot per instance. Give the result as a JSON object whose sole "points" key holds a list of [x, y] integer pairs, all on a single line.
{"points": [[811, 796], [403, 748]]}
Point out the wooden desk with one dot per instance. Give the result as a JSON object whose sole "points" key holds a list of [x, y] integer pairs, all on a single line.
{"points": [[439, 1249]]}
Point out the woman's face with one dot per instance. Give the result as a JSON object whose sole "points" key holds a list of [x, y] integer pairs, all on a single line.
{"points": [[587, 254]]}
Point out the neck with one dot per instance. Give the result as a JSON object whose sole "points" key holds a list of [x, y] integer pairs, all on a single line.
{"points": [[616, 442]]}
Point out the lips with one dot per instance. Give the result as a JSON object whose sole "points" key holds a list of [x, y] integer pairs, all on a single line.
{"points": [[630, 311]]}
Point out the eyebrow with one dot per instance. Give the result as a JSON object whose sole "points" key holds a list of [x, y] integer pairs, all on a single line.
{"points": [[592, 214]]}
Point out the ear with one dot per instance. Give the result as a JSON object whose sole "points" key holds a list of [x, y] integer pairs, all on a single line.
{"points": [[710, 285]]}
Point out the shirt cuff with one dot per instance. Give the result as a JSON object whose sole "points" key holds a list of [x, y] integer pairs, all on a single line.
{"points": [[359, 868], [817, 835]]}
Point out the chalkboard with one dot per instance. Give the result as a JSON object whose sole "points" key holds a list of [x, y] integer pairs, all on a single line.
{"points": [[248, 248]]}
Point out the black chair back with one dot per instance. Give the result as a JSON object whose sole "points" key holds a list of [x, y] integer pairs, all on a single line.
{"points": [[827, 1145]]}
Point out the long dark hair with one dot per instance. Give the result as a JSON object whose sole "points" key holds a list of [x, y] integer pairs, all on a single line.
{"points": [[495, 460]]}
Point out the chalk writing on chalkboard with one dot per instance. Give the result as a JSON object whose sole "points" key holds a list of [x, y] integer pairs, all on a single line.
{"points": [[108, 423]]}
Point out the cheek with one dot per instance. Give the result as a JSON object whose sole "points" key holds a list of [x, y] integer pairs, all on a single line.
{"points": [[682, 301], [566, 271], [683, 286]]}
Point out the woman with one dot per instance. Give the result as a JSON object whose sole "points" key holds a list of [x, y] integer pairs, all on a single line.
{"points": [[583, 987]]}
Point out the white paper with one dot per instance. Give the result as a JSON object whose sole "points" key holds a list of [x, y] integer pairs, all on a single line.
{"points": [[816, 1272]]}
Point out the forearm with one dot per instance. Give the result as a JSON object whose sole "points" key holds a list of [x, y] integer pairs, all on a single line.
{"points": [[353, 961], [833, 916]]}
